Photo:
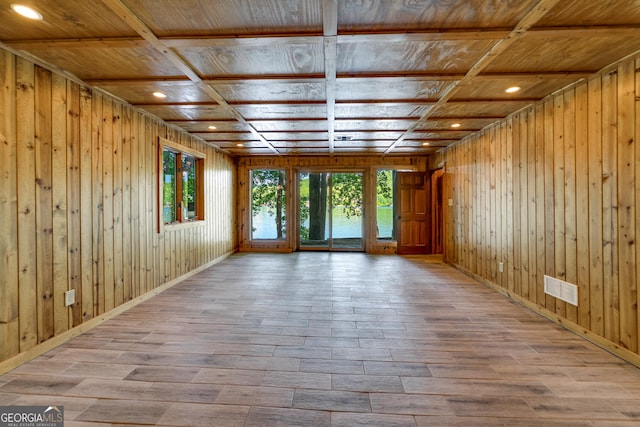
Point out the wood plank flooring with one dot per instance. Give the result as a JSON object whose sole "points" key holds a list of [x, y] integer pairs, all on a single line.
{"points": [[330, 339]]}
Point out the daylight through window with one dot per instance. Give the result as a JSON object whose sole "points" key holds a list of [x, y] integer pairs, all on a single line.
{"points": [[182, 184], [268, 204], [385, 206]]}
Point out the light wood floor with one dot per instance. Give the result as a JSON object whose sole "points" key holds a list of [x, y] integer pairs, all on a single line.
{"points": [[321, 339]]}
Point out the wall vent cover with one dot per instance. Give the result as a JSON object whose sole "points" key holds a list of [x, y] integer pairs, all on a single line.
{"points": [[560, 289]]}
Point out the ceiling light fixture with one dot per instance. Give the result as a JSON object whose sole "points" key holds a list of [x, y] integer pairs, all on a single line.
{"points": [[240, 145], [159, 95], [212, 127], [425, 143], [27, 12], [513, 89], [456, 125]]}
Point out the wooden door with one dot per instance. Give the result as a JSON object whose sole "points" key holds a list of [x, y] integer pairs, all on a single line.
{"points": [[412, 219]]}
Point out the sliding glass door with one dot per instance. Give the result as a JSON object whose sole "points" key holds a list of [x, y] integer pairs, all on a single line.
{"points": [[331, 214]]}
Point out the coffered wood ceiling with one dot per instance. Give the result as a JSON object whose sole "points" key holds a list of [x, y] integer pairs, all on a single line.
{"points": [[354, 77]]}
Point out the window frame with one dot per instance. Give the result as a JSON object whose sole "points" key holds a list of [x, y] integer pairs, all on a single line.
{"points": [[181, 151]]}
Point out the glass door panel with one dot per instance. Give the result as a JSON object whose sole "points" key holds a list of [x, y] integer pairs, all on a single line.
{"points": [[331, 214], [346, 211], [314, 208]]}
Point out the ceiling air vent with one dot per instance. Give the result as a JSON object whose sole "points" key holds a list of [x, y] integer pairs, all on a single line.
{"points": [[343, 138]]}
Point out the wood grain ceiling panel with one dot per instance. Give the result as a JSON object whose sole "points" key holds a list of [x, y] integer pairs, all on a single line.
{"points": [[249, 151], [292, 136], [380, 110], [289, 125], [581, 12], [381, 124], [447, 134], [409, 150], [480, 109], [385, 15], [224, 17], [113, 63], [143, 93], [275, 59], [229, 125], [423, 143], [362, 135], [466, 123], [532, 87], [282, 111], [352, 77], [226, 136], [363, 144], [64, 19], [301, 144], [238, 144], [209, 113], [267, 90], [360, 89], [405, 57], [536, 53], [318, 151]]}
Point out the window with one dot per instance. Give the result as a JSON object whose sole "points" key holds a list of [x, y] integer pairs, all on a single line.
{"points": [[385, 207], [268, 204], [182, 188]]}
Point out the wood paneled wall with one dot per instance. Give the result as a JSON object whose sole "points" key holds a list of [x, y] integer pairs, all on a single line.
{"points": [[555, 190], [79, 207]]}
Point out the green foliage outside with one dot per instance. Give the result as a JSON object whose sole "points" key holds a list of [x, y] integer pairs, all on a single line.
{"points": [[346, 192], [170, 196], [385, 187], [304, 206], [169, 186], [268, 190], [189, 186]]}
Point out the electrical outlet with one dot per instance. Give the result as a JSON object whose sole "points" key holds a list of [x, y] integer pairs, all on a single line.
{"points": [[69, 297], [501, 267]]}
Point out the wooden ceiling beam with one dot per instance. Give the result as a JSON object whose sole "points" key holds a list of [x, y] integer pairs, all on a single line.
{"points": [[435, 118], [422, 36], [355, 78], [240, 40], [89, 43], [380, 102], [419, 126], [271, 39], [330, 32], [586, 31]]}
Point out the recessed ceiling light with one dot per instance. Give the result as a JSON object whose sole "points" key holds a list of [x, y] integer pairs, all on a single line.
{"points": [[456, 125], [212, 127], [513, 89], [425, 143], [27, 12], [239, 144], [159, 95]]}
